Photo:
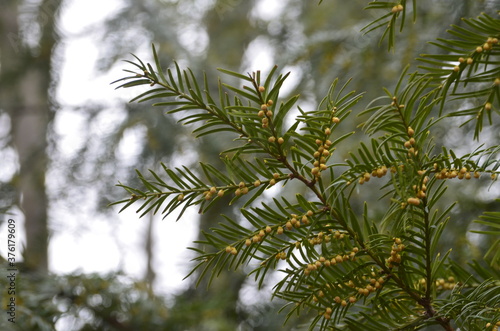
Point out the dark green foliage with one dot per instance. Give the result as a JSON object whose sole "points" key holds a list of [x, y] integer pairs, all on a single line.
{"points": [[469, 69], [350, 269], [84, 302]]}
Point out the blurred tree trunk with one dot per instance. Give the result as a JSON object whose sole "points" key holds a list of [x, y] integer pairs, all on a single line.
{"points": [[25, 81], [150, 274]]}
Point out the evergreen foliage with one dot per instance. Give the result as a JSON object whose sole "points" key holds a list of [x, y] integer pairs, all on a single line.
{"points": [[85, 302], [354, 271]]}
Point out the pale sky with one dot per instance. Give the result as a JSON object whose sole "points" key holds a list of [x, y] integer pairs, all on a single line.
{"points": [[110, 244], [85, 242], [117, 243]]}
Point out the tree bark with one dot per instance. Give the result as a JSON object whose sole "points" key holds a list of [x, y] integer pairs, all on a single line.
{"points": [[25, 79], [150, 275]]}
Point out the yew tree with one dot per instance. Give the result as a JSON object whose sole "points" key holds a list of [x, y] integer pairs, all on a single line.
{"points": [[299, 199]]}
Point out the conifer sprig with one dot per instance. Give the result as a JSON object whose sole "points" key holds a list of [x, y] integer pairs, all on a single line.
{"points": [[351, 270]]}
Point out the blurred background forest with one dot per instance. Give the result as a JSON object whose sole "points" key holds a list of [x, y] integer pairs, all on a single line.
{"points": [[67, 138]]}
